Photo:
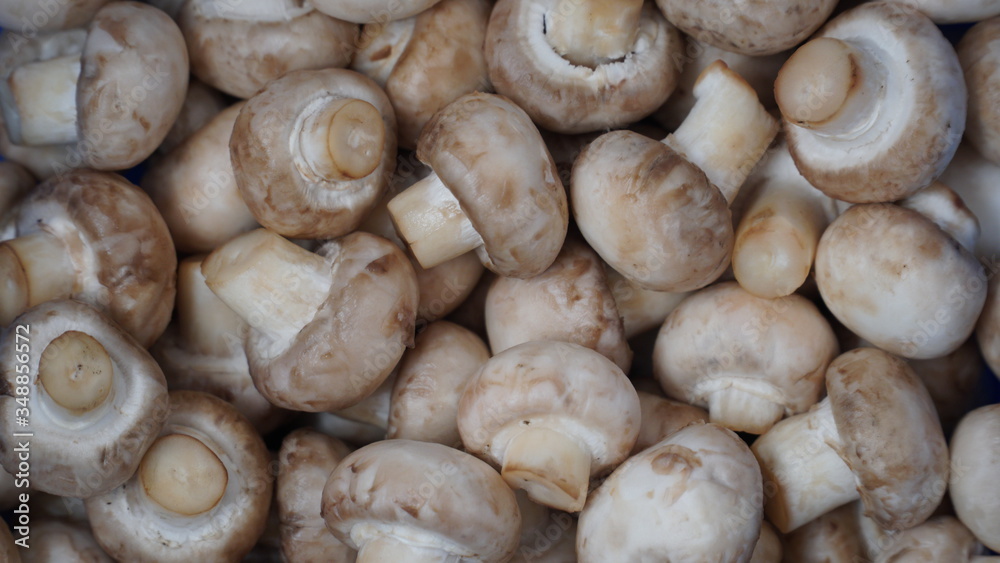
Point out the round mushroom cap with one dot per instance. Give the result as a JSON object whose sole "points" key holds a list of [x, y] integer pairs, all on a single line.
{"points": [[661, 418], [8, 550], [975, 461], [118, 242], [490, 155], [569, 302], [239, 51], [695, 496], [988, 327], [952, 381], [979, 53], [284, 193], [131, 526], [893, 277], [372, 11], [890, 436], [834, 536], [201, 104], [629, 190], [942, 538], [28, 17], [55, 540], [568, 98], [956, 11], [427, 495], [551, 385], [82, 454]]}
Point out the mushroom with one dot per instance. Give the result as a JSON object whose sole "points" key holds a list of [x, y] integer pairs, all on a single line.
{"points": [[942, 538], [494, 189], [427, 61], [875, 436], [695, 496], [952, 381], [662, 418], [628, 190], [975, 179], [768, 548], [29, 17], [955, 11], [582, 65], [194, 188], [201, 104], [547, 536], [749, 361], [979, 53], [203, 349], [44, 161], [988, 327], [372, 11], [833, 536], [874, 107], [471, 314], [94, 237], [571, 301], [15, 182], [305, 462], [238, 47], [325, 329], [98, 399], [641, 309], [430, 381], [401, 500], [201, 492], [60, 541], [112, 90], [945, 208], [313, 152], [975, 460], [553, 415], [373, 410], [8, 550], [350, 431], [896, 279]]}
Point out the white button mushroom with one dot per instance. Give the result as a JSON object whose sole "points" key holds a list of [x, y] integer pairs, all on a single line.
{"points": [[547, 536], [956, 11], [372, 11], [942, 538], [641, 309], [28, 17], [834, 536], [768, 548], [974, 179], [975, 460], [201, 104], [661, 418], [952, 381], [60, 541], [979, 53]]}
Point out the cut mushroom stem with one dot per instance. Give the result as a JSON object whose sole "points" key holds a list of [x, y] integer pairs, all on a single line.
{"points": [[76, 372], [41, 109], [36, 268], [594, 32], [388, 548], [343, 140], [552, 468], [727, 131], [182, 475], [735, 408], [430, 218], [207, 324]]}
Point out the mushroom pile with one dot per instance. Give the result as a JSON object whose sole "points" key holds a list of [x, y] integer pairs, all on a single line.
{"points": [[497, 281]]}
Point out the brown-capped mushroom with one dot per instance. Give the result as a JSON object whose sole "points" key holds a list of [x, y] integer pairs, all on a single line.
{"points": [[313, 152], [201, 492], [97, 238], [662, 418], [975, 460], [979, 53], [400, 500], [112, 90], [99, 399], [372, 11], [28, 17], [61, 541]]}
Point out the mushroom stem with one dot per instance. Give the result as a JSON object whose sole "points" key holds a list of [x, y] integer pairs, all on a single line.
{"points": [[552, 468], [33, 269], [742, 411], [39, 102], [343, 139], [727, 131], [431, 220], [205, 324], [272, 284], [594, 32], [183, 475], [76, 372], [385, 548]]}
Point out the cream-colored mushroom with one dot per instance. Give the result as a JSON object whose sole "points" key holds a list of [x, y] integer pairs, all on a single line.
{"points": [[975, 460], [979, 53], [372, 11], [61, 541], [662, 418], [201, 104]]}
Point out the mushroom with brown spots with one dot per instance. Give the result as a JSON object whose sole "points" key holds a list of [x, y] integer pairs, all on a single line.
{"points": [[979, 53], [975, 460], [372, 11]]}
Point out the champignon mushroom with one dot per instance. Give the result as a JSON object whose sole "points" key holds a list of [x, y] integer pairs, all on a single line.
{"points": [[201, 492], [876, 435], [628, 190], [373, 410], [749, 361], [44, 161], [305, 462], [945, 208], [427, 61], [28, 17], [201, 104], [571, 301], [582, 65], [942, 538], [15, 182], [238, 47], [833, 536], [113, 90], [372, 11], [952, 381], [979, 53], [768, 548], [695, 496], [98, 399], [662, 418], [552, 415], [97, 238], [494, 189], [975, 460], [547, 536], [326, 329], [956, 11], [350, 431], [641, 309], [60, 541], [400, 500], [975, 179], [874, 107], [313, 152]]}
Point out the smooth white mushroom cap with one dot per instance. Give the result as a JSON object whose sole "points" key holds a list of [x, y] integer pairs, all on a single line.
{"points": [[662, 417], [942, 538], [372, 11], [975, 460], [974, 179], [979, 53]]}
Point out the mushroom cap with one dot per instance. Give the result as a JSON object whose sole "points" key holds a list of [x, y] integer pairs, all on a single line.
{"points": [[661, 418], [890, 436], [372, 11], [305, 462], [130, 526], [8, 550], [547, 535], [568, 98], [280, 190], [702, 485], [555, 385], [492, 158], [952, 381], [628, 190], [428, 61], [956, 11], [893, 277], [569, 302], [55, 540], [974, 179], [750, 28], [83, 455], [921, 110], [942, 538], [426, 494], [975, 460], [834, 536], [201, 104], [429, 383], [29, 17], [9, 493], [240, 53], [979, 53], [119, 244]]}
